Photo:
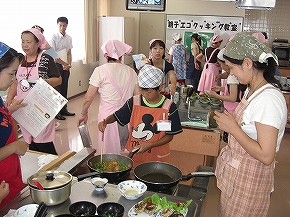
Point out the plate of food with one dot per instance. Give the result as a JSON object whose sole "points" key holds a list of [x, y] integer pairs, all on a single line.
{"points": [[154, 206]]}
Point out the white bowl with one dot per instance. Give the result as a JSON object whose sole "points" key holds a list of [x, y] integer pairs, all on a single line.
{"points": [[26, 211], [99, 183], [132, 189]]}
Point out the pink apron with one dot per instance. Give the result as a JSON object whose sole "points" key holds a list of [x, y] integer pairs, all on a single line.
{"points": [[112, 143], [210, 70], [245, 182], [48, 133], [229, 106]]}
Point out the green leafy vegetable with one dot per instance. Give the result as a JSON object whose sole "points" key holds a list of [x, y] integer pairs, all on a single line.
{"points": [[163, 203]]}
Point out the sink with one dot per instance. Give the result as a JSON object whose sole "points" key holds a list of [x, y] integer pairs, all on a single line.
{"points": [[198, 117], [194, 124]]}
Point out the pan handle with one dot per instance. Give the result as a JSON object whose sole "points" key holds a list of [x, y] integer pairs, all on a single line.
{"points": [[197, 174], [135, 150], [87, 175]]}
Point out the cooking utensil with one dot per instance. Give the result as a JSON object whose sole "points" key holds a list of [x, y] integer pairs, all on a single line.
{"points": [[159, 176], [85, 135], [102, 146], [38, 185], [111, 176]]}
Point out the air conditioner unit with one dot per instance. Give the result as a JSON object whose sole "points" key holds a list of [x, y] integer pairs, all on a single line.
{"points": [[256, 4]]}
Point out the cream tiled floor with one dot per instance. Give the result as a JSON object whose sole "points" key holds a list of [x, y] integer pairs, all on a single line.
{"points": [[68, 138]]}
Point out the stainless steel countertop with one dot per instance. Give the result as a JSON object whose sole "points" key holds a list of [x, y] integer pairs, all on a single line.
{"points": [[84, 190]]}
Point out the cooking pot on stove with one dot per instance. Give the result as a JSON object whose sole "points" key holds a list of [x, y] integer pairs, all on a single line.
{"points": [[52, 187], [56, 187]]}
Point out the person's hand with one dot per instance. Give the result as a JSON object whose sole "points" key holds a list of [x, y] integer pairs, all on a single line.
{"points": [[20, 147], [16, 105], [225, 121], [66, 67], [4, 190], [196, 66], [216, 88], [211, 93], [102, 126], [217, 77], [143, 147], [83, 118]]}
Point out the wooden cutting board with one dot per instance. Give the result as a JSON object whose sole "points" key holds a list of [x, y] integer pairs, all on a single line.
{"points": [[57, 161]]}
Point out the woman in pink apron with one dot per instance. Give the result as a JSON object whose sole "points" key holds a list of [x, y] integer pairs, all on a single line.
{"points": [[35, 65], [154, 120], [10, 149], [245, 167], [210, 68], [116, 83]]}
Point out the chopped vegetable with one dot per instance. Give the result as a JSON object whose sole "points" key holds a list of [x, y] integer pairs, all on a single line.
{"points": [[110, 165]]}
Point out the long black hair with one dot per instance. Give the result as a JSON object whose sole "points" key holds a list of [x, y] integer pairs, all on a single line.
{"points": [[198, 40], [268, 69]]}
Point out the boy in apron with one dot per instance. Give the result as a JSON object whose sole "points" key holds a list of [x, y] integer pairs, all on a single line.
{"points": [[153, 119]]}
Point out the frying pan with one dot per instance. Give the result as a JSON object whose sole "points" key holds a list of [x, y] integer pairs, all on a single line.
{"points": [[111, 176], [160, 176]]}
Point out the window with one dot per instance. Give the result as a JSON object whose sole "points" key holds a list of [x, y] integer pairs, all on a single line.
{"points": [[17, 16]]}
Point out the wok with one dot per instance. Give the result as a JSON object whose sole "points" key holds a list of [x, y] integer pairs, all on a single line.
{"points": [[111, 176], [159, 176]]}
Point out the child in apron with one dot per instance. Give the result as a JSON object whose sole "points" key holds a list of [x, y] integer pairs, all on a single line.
{"points": [[153, 119], [211, 68]]}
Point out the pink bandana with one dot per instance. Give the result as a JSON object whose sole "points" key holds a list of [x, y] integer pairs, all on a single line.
{"points": [[154, 39], [115, 49], [40, 37]]}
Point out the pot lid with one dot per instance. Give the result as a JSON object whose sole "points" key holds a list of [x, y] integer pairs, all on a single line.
{"points": [[50, 179]]}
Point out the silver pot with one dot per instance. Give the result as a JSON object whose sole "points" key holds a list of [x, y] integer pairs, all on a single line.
{"points": [[56, 184]]}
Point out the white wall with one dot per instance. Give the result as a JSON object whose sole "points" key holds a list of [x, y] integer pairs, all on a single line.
{"points": [[79, 77]]}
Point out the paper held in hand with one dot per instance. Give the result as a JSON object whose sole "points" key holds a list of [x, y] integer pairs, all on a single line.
{"points": [[44, 103]]}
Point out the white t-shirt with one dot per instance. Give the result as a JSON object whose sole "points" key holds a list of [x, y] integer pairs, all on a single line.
{"points": [[121, 74], [268, 108], [232, 80]]}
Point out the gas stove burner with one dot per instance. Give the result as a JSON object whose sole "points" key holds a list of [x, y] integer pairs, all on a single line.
{"points": [[171, 191]]}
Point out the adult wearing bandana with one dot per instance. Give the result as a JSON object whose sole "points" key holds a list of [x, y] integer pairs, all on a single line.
{"points": [[10, 148], [36, 64], [245, 167], [116, 83]]}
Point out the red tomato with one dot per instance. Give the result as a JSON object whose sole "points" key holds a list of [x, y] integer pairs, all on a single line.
{"points": [[149, 202], [177, 203]]}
